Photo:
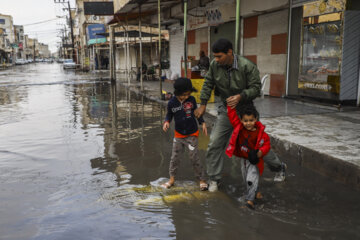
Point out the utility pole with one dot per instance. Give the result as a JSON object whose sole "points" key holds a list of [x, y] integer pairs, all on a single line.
{"points": [[71, 27], [72, 34], [63, 40]]}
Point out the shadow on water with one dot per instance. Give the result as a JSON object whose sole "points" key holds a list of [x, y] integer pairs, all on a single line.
{"points": [[83, 159]]}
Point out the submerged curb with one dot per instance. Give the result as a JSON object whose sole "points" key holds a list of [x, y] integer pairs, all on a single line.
{"points": [[316, 161]]}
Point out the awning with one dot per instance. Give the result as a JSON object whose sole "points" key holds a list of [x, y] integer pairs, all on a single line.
{"points": [[130, 10], [133, 34]]}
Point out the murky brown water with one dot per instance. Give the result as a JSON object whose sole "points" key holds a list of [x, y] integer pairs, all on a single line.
{"points": [[81, 159]]}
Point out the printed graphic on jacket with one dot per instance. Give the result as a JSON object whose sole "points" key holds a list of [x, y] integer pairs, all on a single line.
{"points": [[187, 108], [183, 114]]}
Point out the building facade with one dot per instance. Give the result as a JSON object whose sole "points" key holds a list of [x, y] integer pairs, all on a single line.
{"points": [[8, 38]]}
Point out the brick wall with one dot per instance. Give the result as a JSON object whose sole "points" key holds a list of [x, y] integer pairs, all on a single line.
{"points": [[265, 44], [200, 41]]}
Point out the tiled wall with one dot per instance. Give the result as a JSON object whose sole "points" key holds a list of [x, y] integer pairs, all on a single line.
{"points": [[265, 44]]}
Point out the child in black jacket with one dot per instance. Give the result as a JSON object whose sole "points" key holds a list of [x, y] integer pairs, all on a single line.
{"points": [[181, 107]]}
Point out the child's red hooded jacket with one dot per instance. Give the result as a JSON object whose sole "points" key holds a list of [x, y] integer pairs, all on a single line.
{"points": [[262, 142]]}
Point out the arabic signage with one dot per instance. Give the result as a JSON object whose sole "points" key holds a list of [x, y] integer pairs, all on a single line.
{"points": [[92, 30]]}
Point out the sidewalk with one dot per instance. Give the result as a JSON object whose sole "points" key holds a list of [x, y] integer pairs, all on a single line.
{"points": [[5, 66], [321, 138]]}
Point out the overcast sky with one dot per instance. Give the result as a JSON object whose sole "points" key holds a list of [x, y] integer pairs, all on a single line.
{"points": [[33, 11]]}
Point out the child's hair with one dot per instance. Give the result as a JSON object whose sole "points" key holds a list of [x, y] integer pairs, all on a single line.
{"points": [[182, 85], [249, 110]]}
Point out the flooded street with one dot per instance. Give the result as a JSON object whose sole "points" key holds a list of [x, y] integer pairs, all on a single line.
{"points": [[83, 159]]}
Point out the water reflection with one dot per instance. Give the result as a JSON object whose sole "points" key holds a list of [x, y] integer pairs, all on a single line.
{"points": [[83, 159]]}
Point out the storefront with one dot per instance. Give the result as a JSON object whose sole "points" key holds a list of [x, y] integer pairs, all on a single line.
{"points": [[325, 64]]}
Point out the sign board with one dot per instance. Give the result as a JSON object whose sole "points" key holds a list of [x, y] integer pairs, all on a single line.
{"points": [[323, 7], [92, 30], [99, 8], [214, 17], [67, 45], [221, 14], [197, 22], [14, 45]]}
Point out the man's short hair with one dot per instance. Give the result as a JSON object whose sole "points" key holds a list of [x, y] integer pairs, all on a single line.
{"points": [[222, 45]]}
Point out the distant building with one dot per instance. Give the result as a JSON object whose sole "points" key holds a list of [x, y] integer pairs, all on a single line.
{"points": [[44, 51], [7, 38], [19, 41]]}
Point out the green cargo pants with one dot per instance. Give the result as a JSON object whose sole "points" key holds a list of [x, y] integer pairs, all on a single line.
{"points": [[219, 138]]}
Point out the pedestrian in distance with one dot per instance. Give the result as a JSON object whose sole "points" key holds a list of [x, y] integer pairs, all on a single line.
{"points": [[236, 81], [249, 143], [181, 107], [204, 63]]}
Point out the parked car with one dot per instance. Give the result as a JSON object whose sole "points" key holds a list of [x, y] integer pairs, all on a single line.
{"points": [[69, 64], [20, 61]]}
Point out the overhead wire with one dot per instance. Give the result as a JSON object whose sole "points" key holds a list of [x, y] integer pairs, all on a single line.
{"points": [[45, 21]]}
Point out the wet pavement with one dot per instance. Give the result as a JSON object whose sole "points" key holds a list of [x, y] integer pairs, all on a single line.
{"points": [[321, 137], [83, 159]]}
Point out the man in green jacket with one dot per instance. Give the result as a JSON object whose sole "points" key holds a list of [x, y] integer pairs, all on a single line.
{"points": [[237, 81]]}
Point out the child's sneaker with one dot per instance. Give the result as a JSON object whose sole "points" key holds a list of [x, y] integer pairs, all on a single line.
{"points": [[213, 186], [280, 176]]}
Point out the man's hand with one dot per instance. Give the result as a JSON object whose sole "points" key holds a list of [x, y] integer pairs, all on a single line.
{"points": [[204, 129], [200, 111], [233, 101], [166, 126]]}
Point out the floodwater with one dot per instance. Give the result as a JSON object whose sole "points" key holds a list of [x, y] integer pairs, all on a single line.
{"points": [[83, 159]]}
